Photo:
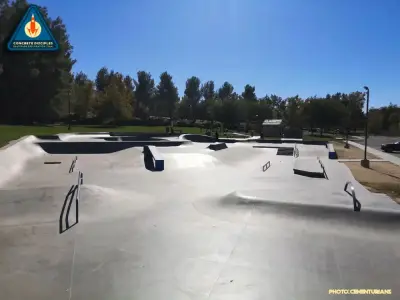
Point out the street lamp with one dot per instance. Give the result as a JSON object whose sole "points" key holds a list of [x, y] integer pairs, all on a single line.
{"points": [[365, 161]]}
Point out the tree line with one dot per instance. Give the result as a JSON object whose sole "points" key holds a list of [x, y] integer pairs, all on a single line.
{"points": [[40, 87]]}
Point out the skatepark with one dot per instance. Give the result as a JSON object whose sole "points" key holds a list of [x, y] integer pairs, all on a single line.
{"points": [[118, 216]]}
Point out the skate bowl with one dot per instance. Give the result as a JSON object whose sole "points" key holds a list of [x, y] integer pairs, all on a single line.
{"points": [[211, 225], [99, 146]]}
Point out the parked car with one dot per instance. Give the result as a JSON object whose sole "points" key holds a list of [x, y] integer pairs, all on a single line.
{"points": [[391, 147]]}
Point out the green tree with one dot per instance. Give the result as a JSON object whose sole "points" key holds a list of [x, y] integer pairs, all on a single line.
{"points": [[249, 93], [225, 91], [34, 86], [167, 95], [375, 120], [208, 90], [394, 121], [294, 112], [278, 106], [102, 79], [265, 109], [323, 113], [353, 103], [130, 92], [193, 94], [144, 93], [82, 96], [208, 94], [114, 104]]}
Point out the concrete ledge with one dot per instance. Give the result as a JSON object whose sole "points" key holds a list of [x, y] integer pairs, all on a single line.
{"points": [[309, 167], [217, 146], [332, 152], [156, 156]]}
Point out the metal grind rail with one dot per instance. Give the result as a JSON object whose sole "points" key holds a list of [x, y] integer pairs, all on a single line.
{"points": [[356, 203], [72, 167], [72, 195], [323, 168], [295, 151], [266, 166]]}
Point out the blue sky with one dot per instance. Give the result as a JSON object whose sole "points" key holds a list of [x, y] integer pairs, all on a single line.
{"points": [[284, 47]]}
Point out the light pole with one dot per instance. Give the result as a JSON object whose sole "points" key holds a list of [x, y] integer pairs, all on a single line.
{"points": [[365, 161]]}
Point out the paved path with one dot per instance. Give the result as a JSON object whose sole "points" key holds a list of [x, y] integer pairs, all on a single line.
{"points": [[385, 156]]}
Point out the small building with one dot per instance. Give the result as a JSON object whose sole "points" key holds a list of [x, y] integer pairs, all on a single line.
{"points": [[272, 128]]}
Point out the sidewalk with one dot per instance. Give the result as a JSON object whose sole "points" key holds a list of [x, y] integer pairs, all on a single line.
{"points": [[359, 160], [383, 155]]}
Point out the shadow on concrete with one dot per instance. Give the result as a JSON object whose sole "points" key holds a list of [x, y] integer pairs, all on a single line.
{"points": [[129, 138], [99, 147], [198, 138], [285, 151], [72, 167], [48, 137], [144, 135], [149, 162], [266, 141], [89, 133], [368, 217], [288, 151], [309, 173]]}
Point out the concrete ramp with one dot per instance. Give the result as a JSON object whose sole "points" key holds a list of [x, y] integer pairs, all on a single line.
{"points": [[15, 156], [310, 167], [217, 146]]}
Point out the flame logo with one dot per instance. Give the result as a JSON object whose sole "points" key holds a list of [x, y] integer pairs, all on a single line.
{"points": [[33, 28]]}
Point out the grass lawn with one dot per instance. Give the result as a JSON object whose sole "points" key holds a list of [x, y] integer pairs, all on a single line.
{"points": [[9, 133], [317, 138], [381, 177]]}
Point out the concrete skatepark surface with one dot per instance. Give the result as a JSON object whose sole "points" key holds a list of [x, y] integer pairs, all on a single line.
{"points": [[212, 225]]}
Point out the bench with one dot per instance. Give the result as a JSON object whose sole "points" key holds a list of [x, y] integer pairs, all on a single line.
{"points": [[156, 156]]}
